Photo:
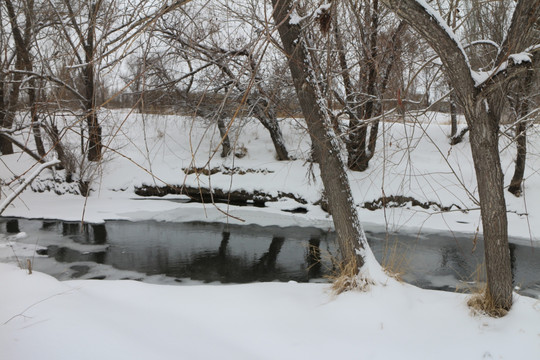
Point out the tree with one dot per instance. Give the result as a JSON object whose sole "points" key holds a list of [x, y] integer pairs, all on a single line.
{"points": [[10, 88], [229, 66], [92, 33], [523, 101], [489, 21], [352, 241], [367, 80], [479, 98]]}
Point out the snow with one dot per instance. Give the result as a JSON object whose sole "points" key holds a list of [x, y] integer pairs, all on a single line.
{"points": [[480, 77], [520, 58], [46, 319], [25, 183], [294, 18], [321, 9], [42, 318]]}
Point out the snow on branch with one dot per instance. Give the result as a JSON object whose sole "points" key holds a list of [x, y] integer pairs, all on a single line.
{"points": [[25, 183], [295, 19], [483, 42], [510, 67]]}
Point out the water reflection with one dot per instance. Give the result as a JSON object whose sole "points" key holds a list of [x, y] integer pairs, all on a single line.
{"points": [[82, 232], [65, 254], [313, 258], [12, 226], [241, 254]]}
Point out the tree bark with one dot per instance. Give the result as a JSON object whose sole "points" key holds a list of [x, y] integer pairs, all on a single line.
{"points": [[94, 129], [453, 118], [484, 141], [519, 170], [525, 90], [268, 119], [24, 61], [32, 98], [8, 115], [351, 238]]}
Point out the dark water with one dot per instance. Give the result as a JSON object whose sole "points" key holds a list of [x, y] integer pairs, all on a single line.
{"points": [[179, 252]]}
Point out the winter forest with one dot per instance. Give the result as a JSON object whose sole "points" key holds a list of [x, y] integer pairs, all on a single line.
{"points": [[275, 179]]}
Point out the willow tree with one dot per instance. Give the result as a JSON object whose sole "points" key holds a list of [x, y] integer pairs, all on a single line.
{"points": [[479, 94]]}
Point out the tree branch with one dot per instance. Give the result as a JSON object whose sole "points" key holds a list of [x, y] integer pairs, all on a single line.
{"points": [[6, 137], [521, 32], [25, 183], [425, 20]]}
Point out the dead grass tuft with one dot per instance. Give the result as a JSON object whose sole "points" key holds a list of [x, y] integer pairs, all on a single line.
{"points": [[346, 278], [482, 304]]}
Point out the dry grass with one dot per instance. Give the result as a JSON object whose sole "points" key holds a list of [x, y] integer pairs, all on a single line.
{"points": [[395, 262], [480, 301], [482, 304], [347, 278]]}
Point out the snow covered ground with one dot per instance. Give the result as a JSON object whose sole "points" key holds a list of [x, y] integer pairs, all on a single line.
{"points": [[43, 318]]}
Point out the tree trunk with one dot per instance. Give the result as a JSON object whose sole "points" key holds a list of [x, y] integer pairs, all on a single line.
{"points": [[351, 238], [525, 90], [8, 117], [36, 126], [484, 142], [94, 130], [267, 118], [225, 143], [373, 134], [94, 136], [54, 136], [453, 118], [482, 110], [519, 170], [356, 146], [5, 146], [278, 141]]}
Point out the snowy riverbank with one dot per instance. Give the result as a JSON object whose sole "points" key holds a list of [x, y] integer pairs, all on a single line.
{"points": [[417, 162]]}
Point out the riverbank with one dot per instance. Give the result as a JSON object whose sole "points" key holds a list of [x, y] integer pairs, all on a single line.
{"points": [[416, 166]]}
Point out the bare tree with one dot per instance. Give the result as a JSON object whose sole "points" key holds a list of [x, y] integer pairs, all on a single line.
{"points": [[228, 66], [479, 98], [352, 241], [366, 78], [97, 35]]}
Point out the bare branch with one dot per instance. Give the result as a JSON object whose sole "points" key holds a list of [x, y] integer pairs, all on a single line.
{"points": [[442, 39], [25, 183]]}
